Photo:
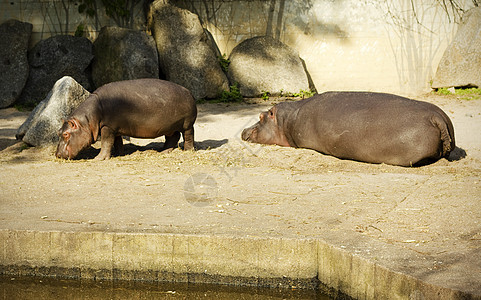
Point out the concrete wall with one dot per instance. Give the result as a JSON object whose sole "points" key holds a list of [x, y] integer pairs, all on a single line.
{"points": [[372, 45], [54, 17]]}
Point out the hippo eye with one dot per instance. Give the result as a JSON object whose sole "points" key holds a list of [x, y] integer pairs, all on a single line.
{"points": [[271, 113], [66, 135]]}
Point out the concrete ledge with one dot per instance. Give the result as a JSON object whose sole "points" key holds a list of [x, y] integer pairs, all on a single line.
{"points": [[272, 262], [359, 278]]}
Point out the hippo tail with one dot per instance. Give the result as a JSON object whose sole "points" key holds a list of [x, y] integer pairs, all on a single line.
{"points": [[447, 133]]}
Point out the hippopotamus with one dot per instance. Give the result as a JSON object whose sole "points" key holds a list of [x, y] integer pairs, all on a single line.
{"points": [[141, 108], [362, 126]]}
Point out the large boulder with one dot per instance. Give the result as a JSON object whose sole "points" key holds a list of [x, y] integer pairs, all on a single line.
{"points": [[264, 64], [186, 55], [42, 126], [123, 54], [460, 65], [14, 38], [53, 58]]}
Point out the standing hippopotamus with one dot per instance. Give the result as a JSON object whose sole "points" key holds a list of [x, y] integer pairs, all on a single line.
{"points": [[143, 108], [362, 126]]}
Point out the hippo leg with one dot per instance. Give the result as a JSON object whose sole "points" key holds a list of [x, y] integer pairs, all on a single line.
{"points": [[118, 146], [171, 141], [107, 143], [189, 138]]}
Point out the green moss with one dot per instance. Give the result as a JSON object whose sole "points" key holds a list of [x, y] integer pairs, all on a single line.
{"points": [[464, 93], [265, 95], [25, 106], [304, 94], [443, 91], [233, 96], [224, 63], [80, 30], [470, 91], [24, 146]]}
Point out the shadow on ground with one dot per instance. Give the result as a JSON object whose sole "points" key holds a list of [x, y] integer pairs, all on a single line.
{"points": [[130, 148]]}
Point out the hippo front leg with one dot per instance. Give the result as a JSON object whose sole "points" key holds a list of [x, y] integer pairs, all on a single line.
{"points": [[108, 140]]}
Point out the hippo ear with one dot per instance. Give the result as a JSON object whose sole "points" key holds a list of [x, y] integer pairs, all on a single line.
{"points": [[74, 124], [272, 113], [262, 116]]}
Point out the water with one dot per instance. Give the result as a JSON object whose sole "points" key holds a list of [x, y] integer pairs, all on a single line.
{"points": [[12, 287]]}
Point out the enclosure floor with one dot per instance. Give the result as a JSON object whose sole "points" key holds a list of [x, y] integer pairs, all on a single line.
{"points": [[238, 213]]}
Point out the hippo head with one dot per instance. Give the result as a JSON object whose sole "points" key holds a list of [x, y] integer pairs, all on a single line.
{"points": [[74, 136], [266, 131]]}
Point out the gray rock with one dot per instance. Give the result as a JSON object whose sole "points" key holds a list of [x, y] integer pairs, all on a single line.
{"points": [[123, 54], [264, 64], [22, 130], [42, 126], [460, 65], [186, 55], [53, 58], [14, 38]]}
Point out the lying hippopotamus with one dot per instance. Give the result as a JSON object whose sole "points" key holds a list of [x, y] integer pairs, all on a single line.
{"points": [[142, 108], [362, 126]]}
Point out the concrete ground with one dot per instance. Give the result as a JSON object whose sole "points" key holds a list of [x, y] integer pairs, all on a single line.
{"points": [[240, 213]]}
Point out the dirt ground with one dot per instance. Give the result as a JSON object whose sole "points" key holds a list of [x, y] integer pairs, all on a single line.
{"points": [[236, 188], [219, 161]]}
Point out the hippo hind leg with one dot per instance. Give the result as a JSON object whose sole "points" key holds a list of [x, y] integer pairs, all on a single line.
{"points": [[171, 141], [436, 142], [426, 149], [189, 138], [118, 146]]}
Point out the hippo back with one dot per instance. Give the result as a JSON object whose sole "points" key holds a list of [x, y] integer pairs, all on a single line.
{"points": [[154, 107], [371, 127]]}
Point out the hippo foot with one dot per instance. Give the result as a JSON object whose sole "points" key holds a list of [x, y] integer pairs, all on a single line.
{"points": [[102, 156]]}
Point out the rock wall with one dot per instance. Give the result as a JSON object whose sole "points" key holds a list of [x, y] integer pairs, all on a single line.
{"points": [[461, 63], [14, 37], [53, 58], [123, 54], [371, 45], [186, 56], [263, 64], [42, 125], [375, 45]]}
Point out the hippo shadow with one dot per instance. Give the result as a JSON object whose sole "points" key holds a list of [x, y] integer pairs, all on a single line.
{"points": [[130, 148], [7, 142], [455, 155]]}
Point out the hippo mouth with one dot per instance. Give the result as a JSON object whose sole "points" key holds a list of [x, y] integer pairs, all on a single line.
{"points": [[64, 151], [247, 134]]}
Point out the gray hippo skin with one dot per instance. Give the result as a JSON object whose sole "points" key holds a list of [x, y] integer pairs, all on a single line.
{"points": [[142, 108], [362, 126]]}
